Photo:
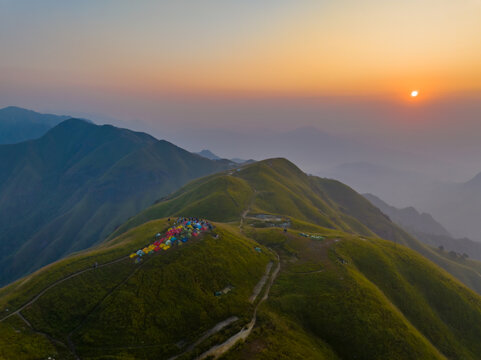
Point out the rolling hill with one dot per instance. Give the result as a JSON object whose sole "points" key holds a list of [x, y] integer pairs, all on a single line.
{"points": [[73, 186], [277, 186], [326, 287], [17, 124]]}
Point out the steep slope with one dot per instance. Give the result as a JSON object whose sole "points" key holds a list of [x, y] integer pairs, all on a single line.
{"points": [[273, 186], [325, 288], [278, 187], [361, 298], [70, 188], [340, 297], [428, 230], [124, 309], [17, 124]]}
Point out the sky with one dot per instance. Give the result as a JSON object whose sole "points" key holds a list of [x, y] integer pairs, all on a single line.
{"points": [[219, 68]]}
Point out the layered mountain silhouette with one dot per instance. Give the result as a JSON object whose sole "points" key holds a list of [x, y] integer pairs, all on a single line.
{"points": [[17, 124], [70, 188], [456, 205], [294, 268], [428, 230], [409, 218], [210, 155]]}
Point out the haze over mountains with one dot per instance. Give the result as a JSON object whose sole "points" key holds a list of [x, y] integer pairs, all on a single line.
{"points": [[425, 228], [70, 188], [17, 124], [84, 194], [210, 155]]}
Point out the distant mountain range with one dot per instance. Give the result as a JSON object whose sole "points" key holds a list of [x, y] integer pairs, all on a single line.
{"points": [[456, 205], [70, 188], [409, 218], [425, 228], [17, 124], [210, 155], [392, 184]]}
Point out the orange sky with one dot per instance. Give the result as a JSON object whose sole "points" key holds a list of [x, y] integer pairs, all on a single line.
{"points": [[304, 47]]}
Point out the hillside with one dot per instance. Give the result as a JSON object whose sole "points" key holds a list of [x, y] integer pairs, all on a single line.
{"points": [[17, 124], [349, 297], [278, 187], [428, 230], [121, 309], [72, 187], [335, 296]]}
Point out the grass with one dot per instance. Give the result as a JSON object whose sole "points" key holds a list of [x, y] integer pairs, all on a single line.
{"points": [[69, 189], [17, 341], [351, 295], [278, 187], [126, 309], [382, 302]]}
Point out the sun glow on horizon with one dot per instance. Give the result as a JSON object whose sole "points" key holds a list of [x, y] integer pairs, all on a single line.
{"points": [[414, 93]]}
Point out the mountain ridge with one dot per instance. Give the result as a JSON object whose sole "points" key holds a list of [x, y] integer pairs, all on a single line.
{"points": [[18, 124], [341, 292], [70, 188]]}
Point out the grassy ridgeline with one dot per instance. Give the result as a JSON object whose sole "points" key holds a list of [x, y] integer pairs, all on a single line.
{"points": [[370, 300], [277, 186], [351, 295], [165, 300]]}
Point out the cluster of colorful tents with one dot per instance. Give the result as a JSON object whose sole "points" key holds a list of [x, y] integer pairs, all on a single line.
{"points": [[182, 230], [317, 237]]}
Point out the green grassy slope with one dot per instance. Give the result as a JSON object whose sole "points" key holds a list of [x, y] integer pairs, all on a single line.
{"points": [[276, 186], [128, 309], [361, 298], [273, 186], [350, 295], [72, 187]]}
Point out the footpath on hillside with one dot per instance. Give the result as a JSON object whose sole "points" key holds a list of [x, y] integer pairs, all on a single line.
{"points": [[186, 228]]}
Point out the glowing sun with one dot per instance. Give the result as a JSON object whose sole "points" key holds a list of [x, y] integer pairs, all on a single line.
{"points": [[414, 93]]}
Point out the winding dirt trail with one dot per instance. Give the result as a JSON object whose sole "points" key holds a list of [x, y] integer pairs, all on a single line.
{"points": [[247, 210], [244, 333], [260, 284], [214, 351], [16, 312], [218, 327]]}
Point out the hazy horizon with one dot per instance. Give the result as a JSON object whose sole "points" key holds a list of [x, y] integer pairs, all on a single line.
{"points": [[165, 68], [321, 83]]}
